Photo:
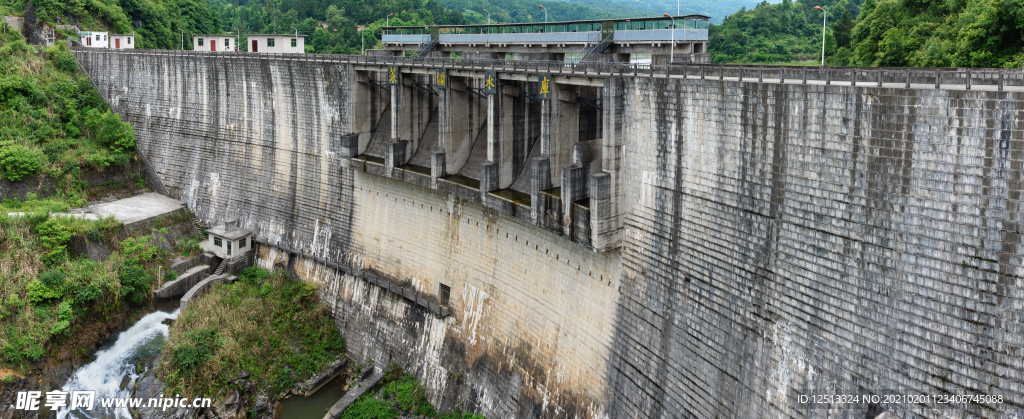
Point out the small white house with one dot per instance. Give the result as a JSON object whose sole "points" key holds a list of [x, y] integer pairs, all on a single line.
{"points": [[122, 41], [213, 43], [228, 241], [94, 39], [277, 44]]}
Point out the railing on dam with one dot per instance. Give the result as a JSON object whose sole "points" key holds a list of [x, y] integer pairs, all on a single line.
{"points": [[647, 29], [889, 77]]}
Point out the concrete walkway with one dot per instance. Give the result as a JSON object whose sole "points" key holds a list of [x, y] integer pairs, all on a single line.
{"points": [[357, 390], [127, 211], [138, 208]]}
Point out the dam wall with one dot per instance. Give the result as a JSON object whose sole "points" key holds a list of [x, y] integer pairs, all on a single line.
{"points": [[785, 238], [775, 240]]}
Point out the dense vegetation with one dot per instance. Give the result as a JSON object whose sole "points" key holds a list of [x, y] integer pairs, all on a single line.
{"points": [[777, 33], [53, 121], [892, 33], [47, 294], [399, 394], [155, 22], [717, 10], [265, 324], [330, 25]]}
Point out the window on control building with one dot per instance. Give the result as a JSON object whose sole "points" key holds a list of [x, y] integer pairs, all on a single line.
{"points": [[241, 243], [129, 40], [97, 37], [227, 42], [216, 241], [293, 42], [200, 41], [270, 42]]}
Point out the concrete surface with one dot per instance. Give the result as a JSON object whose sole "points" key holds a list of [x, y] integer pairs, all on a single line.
{"points": [[774, 237], [138, 208]]}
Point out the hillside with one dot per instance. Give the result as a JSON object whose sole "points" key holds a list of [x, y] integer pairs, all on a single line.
{"points": [[155, 22], [778, 33], [718, 10], [892, 33]]}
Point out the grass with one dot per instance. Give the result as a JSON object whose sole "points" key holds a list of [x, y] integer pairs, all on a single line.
{"points": [[46, 292], [399, 394], [265, 323]]}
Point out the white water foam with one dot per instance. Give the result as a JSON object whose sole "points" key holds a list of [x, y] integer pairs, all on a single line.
{"points": [[145, 338]]}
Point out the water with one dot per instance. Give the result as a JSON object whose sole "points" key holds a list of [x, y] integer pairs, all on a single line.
{"points": [[143, 340], [316, 405]]}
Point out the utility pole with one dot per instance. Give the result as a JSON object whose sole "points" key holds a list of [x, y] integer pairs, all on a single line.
{"points": [[672, 53], [823, 20]]}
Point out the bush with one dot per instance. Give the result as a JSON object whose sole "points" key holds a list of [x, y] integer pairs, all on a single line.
{"points": [[39, 293], [64, 316], [135, 283], [198, 347], [109, 130], [137, 250], [253, 275], [85, 295], [62, 58], [53, 236], [18, 161], [188, 247], [369, 407]]}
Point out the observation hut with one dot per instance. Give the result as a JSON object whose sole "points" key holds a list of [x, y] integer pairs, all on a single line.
{"points": [[228, 241], [213, 43]]}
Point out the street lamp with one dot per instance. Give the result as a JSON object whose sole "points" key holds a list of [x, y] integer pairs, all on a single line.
{"points": [[362, 38], [296, 39], [387, 20], [545, 13], [823, 19], [488, 16], [182, 39], [672, 52], [238, 37]]}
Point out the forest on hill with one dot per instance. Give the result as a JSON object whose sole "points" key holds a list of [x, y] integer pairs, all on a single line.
{"points": [[156, 22], [889, 33]]}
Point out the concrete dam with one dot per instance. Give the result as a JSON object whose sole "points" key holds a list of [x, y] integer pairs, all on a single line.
{"points": [[607, 241]]}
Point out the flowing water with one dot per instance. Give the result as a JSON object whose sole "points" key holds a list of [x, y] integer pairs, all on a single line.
{"points": [[143, 340]]}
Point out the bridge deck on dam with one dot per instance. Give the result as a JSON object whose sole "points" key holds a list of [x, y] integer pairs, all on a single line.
{"points": [[985, 79], [736, 237]]}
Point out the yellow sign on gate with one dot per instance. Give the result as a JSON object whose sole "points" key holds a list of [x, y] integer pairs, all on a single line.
{"points": [[392, 75], [490, 83], [441, 78], [545, 87]]}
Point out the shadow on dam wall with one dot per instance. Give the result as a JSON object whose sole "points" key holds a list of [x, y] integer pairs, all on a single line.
{"points": [[777, 239]]}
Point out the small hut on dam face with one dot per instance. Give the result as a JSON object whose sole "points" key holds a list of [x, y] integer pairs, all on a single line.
{"points": [[229, 241]]}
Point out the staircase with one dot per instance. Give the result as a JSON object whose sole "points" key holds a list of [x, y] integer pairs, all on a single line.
{"points": [[220, 267], [597, 48], [427, 47], [199, 226]]}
